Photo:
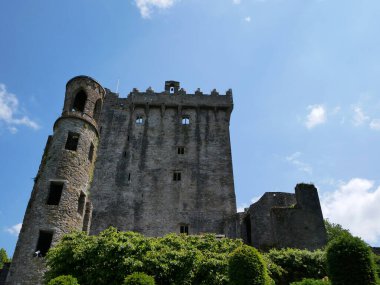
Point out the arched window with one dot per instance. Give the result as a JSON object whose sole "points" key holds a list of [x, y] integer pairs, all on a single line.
{"points": [[97, 109], [80, 101]]}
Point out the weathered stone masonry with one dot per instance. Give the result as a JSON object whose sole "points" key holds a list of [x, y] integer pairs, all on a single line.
{"points": [[154, 163]]}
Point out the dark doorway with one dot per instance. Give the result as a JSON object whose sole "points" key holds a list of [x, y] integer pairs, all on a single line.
{"points": [[80, 101], [247, 224]]}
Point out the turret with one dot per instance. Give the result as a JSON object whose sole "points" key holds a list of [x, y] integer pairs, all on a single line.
{"points": [[59, 201]]}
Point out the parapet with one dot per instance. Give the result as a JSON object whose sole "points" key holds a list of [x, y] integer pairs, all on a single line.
{"points": [[173, 96]]}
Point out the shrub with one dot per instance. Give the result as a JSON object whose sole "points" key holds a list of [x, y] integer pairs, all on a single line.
{"points": [[64, 280], [296, 264], [350, 261], [311, 282], [246, 267], [139, 278]]}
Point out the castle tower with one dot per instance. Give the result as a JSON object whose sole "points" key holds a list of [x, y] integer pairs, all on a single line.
{"points": [[59, 201], [164, 163]]}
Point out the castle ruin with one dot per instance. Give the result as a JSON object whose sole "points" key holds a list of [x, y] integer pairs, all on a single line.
{"points": [[154, 163]]}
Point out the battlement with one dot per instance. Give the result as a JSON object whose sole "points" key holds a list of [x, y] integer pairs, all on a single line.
{"points": [[173, 96]]}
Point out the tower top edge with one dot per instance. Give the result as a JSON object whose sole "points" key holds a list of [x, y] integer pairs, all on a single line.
{"points": [[85, 77]]}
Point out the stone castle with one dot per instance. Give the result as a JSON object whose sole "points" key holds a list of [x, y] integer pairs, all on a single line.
{"points": [[154, 163]]}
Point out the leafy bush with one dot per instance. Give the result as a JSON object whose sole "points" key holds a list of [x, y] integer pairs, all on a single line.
{"points": [[139, 278], [350, 261], [246, 267], [110, 256], [311, 282], [64, 280], [295, 264]]}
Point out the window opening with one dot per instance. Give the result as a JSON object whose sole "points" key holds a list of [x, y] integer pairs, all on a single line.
{"points": [[97, 109], [129, 177], [139, 120], [184, 229], [177, 176], [55, 193], [72, 141], [185, 120], [80, 101], [247, 222], [81, 203], [181, 150], [91, 153], [43, 244], [171, 90], [125, 154]]}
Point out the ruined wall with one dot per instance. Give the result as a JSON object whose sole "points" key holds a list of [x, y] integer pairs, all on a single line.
{"points": [[286, 220], [133, 186], [72, 171]]}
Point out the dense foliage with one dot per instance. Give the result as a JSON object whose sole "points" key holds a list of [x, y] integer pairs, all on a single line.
{"points": [[139, 278], [311, 282], [111, 256], [291, 265], [3, 257], [246, 267], [350, 261], [334, 231], [64, 280]]}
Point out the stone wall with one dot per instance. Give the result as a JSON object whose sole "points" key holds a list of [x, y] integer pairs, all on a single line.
{"points": [[133, 185], [286, 220]]}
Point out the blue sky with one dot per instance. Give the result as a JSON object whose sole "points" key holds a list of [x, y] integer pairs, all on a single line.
{"points": [[304, 73]]}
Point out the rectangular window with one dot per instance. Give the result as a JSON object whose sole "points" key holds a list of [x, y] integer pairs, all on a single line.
{"points": [[55, 193], [44, 242], [72, 141], [139, 120], [184, 229], [91, 153], [176, 176], [185, 120], [181, 150], [81, 203]]}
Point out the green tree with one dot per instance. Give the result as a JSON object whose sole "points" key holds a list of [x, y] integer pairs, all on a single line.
{"points": [[350, 262], [139, 278], [3, 257], [296, 264], [334, 230], [64, 280], [247, 267]]}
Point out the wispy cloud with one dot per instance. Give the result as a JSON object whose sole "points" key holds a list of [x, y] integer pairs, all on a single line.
{"points": [[359, 116], [247, 19], [14, 230], [10, 113], [316, 116], [354, 205], [295, 160], [236, 1], [147, 6], [375, 124]]}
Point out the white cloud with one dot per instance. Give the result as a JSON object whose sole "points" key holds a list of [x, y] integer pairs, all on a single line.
{"points": [[301, 166], [10, 113], [375, 124], [316, 116], [359, 117], [355, 205], [247, 19], [236, 1], [14, 230], [146, 6]]}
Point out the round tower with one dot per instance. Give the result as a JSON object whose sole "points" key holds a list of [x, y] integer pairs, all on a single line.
{"points": [[59, 201]]}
